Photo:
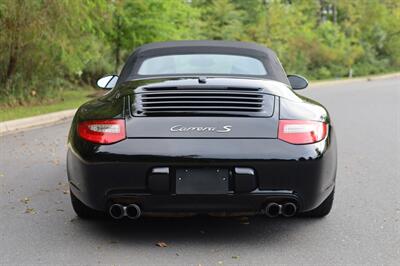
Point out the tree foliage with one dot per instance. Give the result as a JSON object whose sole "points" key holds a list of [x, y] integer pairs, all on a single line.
{"points": [[48, 45], [44, 43]]}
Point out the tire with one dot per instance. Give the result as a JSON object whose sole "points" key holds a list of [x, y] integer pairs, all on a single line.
{"points": [[84, 211], [323, 209]]}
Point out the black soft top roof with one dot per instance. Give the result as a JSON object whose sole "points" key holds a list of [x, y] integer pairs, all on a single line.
{"points": [[208, 44], [265, 55]]}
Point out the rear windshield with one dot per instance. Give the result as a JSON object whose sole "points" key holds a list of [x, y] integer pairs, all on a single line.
{"points": [[202, 64]]}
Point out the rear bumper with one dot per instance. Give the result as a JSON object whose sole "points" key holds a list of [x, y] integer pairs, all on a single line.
{"points": [[253, 202], [100, 175]]}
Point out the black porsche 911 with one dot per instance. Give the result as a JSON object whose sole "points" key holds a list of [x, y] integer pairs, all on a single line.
{"points": [[202, 127]]}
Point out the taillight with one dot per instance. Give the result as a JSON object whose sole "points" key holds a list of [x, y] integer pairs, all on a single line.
{"points": [[301, 131], [102, 131]]}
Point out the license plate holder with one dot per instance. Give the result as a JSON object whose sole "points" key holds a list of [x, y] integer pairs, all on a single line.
{"points": [[195, 181]]}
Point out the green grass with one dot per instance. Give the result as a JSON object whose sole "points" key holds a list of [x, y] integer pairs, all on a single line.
{"points": [[71, 99]]}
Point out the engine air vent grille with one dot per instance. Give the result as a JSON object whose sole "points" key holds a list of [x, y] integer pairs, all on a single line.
{"points": [[229, 102]]}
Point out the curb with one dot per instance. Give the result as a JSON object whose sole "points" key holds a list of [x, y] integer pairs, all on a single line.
{"points": [[35, 121], [351, 80]]}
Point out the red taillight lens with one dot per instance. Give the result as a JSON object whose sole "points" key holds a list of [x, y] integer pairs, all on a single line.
{"points": [[102, 131], [301, 132]]}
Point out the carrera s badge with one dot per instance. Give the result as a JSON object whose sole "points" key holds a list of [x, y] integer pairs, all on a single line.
{"points": [[180, 128]]}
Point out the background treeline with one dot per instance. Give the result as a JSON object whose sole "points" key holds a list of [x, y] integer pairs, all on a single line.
{"points": [[47, 46]]}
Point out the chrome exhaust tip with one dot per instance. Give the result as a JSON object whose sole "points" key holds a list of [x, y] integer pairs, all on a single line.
{"points": [[133, 211], [289, 209], [117, 211], [273, 209]]}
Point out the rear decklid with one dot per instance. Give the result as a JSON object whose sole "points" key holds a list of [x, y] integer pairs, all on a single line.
{"points": [[209, 108]]}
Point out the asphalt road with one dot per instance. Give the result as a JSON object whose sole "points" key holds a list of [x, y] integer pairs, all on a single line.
{"points": [[38, 225]]}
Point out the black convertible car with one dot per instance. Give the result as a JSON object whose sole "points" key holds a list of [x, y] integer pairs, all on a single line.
{"points": [[195, 127]]}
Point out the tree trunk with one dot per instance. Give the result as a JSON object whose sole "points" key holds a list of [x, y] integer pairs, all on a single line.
{"points": [[117, 43], [334, 12], [12, 62], [117, 57], [321, 14], [14, 46]]}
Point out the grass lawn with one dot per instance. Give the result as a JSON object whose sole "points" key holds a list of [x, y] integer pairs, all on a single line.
{"points": [[72, 99]]}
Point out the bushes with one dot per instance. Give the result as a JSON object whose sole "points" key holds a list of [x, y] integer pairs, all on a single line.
{"points": [[45, 45]]}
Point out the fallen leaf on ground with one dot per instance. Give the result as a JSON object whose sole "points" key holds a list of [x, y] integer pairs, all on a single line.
{"points": [[60, 210], [66, 192], [25, 200], [235, 257], [161, 244], [30, 210]]}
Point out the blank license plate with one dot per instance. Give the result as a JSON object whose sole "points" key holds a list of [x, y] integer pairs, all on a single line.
{"points": [[202, 181]]}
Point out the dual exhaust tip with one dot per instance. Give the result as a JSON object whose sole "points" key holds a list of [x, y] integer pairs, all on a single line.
{"points": [[133, 211], [274, 209], [118, 211]]}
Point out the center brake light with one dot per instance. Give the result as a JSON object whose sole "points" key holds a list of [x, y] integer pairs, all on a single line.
{"points": [[302, 131], [102, 131]]}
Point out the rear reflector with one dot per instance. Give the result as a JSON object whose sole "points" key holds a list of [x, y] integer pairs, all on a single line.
{"points": [[301, 131], [102, 131]]}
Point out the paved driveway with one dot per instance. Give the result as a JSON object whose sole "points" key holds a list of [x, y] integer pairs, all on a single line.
{"points": [[38, 225]]}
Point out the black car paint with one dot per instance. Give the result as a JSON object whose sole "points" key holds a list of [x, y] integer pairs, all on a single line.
{"points": [[100, 174]]}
